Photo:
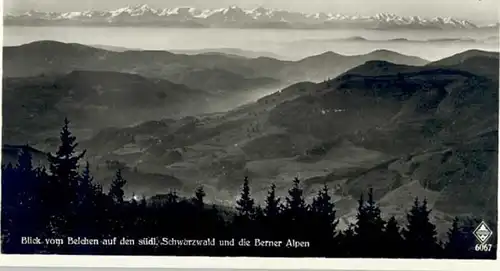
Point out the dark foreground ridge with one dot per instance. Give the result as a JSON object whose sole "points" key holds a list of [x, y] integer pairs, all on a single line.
{"points": [[61, 210]]}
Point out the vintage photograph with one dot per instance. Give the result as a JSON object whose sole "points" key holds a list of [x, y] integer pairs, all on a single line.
{"points": [[250, 128]]}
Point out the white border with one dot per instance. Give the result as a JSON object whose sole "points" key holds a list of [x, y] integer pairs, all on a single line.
{"points": [[239, 263], [245, 263]]}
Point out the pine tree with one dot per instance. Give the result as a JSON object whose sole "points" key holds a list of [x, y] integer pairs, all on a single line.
{"points": [[199, 195], [272, 208], [460, 241], [116, 189], [87, 206], [295, 213], [369, 227], [25, 161], [453, 246], [25, 185], [86, 187], [245, 204], [19, 199], [323, 222], [63, 181], [347, 242], [269, 217], [117, 217], [86, 180], [296, 207], [64, 164], [259, 219], [244, 220], [143, 202], [420, 233], [393, 241], [324, 207], [172, 198]]}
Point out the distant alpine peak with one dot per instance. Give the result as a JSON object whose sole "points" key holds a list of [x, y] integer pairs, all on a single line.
{"points": [[232, 16]]}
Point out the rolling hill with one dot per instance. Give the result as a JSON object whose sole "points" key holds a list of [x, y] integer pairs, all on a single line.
{"points": [[50, 57], [229, 51], [463, 56], [405, 130], [476, 61], [423, 131], [54, 57], [33, 106]]}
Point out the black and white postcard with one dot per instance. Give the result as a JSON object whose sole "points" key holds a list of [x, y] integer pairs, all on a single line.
{"points": [[298, 129]]}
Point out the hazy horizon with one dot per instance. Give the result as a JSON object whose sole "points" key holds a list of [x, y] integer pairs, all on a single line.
{"points": [[289, 45], [479, 11]]}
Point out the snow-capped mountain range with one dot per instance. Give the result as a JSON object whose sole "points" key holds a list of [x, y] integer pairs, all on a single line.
{"points": [[143, 15]]}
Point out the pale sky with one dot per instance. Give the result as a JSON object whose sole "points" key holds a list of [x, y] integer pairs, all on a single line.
{"points": [[473, 10]]}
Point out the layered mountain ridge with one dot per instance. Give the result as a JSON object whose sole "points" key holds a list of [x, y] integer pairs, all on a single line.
{"points": [[401, 125], [233, 16], [45, 56], [62, 71]]}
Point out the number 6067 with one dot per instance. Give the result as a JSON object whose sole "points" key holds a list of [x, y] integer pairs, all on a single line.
{"points": [[483, 247]]}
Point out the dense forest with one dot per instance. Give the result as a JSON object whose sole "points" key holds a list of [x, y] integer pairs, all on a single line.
{"points": [[64, 202]]}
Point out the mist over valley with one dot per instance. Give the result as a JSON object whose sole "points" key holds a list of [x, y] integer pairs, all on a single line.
{"points": [[409, 113]]}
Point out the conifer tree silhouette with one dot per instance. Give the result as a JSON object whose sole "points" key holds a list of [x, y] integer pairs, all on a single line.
{"points": [[295, 212], [88, 190], [86, 204], [25, 161], [258, 213], [63, 181], [64, 164], [116, 189], [454, 247], [19, 204], [369, 227], [270, 219], [219, 225], [420, 233], [296, 207], [143, 202], [323, 222], [324, 208], [86, 180], [41, 217], [25, 187], [243, 222], [347, 242], [63, 202], [245, 204], [117, 213], [272, 208], [392, 239], [198, 197], [172, 198]]}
